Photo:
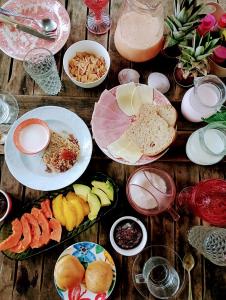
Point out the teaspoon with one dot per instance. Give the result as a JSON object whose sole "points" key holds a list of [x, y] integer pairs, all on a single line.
{"points": [[188, 264]]}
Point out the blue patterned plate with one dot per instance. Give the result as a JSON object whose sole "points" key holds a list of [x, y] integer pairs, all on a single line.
{"points": [[87, 252]]}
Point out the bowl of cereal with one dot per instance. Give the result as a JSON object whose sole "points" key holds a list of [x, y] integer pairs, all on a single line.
{"points": [[86, 63]]}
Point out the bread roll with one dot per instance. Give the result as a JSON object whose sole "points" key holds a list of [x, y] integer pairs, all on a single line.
{"points": [[69, 272], [98, 277]]}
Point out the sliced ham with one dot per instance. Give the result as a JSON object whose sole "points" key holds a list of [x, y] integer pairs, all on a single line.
{"points": [[25, 242], [14, 238], [103, 138]]}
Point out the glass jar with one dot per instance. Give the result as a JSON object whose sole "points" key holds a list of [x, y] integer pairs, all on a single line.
{"points": [[139, 32], [207, 145]]}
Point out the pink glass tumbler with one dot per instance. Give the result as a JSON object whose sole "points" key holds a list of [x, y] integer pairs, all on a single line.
{"points": [[98, 21], [151, 191], [207, 200]]}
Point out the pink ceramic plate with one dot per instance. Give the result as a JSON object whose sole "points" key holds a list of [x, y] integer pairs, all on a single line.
{"points": [[16, 43], [159, 99]]}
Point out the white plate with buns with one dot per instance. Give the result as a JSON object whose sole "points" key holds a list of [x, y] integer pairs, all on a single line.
{"points": [[134, 124], [80, 269]]}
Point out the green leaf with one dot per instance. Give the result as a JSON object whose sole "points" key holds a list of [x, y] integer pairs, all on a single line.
{"points": [[219, 116], [183, 16], [199, 50], [99, 249]]}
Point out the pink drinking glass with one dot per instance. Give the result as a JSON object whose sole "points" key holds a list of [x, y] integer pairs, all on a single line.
{"points": [[98, 21], [151, 191], [207, 200]]}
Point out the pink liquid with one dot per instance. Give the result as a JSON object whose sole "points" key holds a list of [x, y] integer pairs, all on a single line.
{"points": [[138, 37], [96, 5]]}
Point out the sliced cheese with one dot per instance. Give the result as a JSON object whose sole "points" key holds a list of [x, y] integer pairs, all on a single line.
{"points": [[124, 94], [143, 94], [126, 149]]}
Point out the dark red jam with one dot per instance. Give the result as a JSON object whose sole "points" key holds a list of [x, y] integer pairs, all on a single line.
{"points": [[127, 234], [3, 205]]}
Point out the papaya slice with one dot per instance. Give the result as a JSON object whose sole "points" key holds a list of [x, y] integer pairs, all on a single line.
{"points": [[56, 228], [25, 242], [46, 209], [35, 230], [44, 224], [14, 238]]}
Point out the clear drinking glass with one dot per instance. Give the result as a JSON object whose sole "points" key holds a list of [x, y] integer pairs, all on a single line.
{"points": [[207, 145], [209, 241], [8, 111], [158, 271], [98, 21], [40, 64]]}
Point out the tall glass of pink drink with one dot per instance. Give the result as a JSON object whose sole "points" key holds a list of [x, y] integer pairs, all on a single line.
{"points": [[98, 22]]}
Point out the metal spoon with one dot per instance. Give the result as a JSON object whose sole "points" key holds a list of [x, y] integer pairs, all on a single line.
{"points": [[188, 264], [47, 25]]}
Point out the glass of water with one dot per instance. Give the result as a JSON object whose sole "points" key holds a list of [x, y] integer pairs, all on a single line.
{"points": [[158, 271], [40, 64], [8, 111]]}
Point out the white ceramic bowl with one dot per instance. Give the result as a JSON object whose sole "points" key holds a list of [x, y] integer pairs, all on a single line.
{"points": [[90, 47], [8, 203], [137, 249]]}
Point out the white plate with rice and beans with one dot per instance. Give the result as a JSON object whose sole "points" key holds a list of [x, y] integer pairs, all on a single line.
{"points": [[63, 161]]}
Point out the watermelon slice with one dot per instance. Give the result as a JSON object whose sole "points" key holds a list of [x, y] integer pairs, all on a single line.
{"points": [[44, 224], [56, 227], [46, 209], [14, 238], [35, 230], [25, 242]]}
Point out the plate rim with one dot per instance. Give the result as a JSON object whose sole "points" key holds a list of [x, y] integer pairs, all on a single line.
{"points": [[29, 114], [55, 49]]}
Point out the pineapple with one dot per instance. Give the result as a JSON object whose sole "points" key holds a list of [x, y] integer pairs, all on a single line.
{"points": [[187, 15], [193, 59]]}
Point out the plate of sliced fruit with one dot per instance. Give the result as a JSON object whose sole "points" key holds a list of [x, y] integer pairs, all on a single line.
{"points": [[44, 223]]}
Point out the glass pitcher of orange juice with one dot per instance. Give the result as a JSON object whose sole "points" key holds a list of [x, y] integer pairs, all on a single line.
{"points": [[139, 32]]}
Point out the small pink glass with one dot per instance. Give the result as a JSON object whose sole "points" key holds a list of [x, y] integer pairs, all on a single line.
{"points": [[151, 191], [98, 21], [207, 200]]}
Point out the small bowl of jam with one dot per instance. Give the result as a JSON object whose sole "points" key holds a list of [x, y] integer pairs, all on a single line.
{"points": [[5, 205], [128, 236]]}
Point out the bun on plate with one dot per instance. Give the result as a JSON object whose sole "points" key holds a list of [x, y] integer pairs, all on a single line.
{"points": [[98, 276], [69, 272]]}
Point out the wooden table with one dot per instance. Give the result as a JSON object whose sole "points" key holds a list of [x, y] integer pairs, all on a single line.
{"points": [[33, 278]]}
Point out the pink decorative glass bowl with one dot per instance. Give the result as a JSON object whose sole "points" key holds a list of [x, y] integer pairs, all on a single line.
{"points": [[151, 191], [206, 200]]}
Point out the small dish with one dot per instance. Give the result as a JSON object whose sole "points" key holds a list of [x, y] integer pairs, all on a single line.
{"points": [[34, 130], [139, 242], [91, 47], [86, 253], [5, 205]]}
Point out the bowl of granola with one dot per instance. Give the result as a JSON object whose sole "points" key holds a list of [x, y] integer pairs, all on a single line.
{"points": [[86, 63]]}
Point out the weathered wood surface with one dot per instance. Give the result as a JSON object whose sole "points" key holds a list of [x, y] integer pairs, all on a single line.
{"points": [[33, 279]]}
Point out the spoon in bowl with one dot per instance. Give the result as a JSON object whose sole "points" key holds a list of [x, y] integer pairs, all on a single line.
{"points": [[188, 264], [46, 24]]}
